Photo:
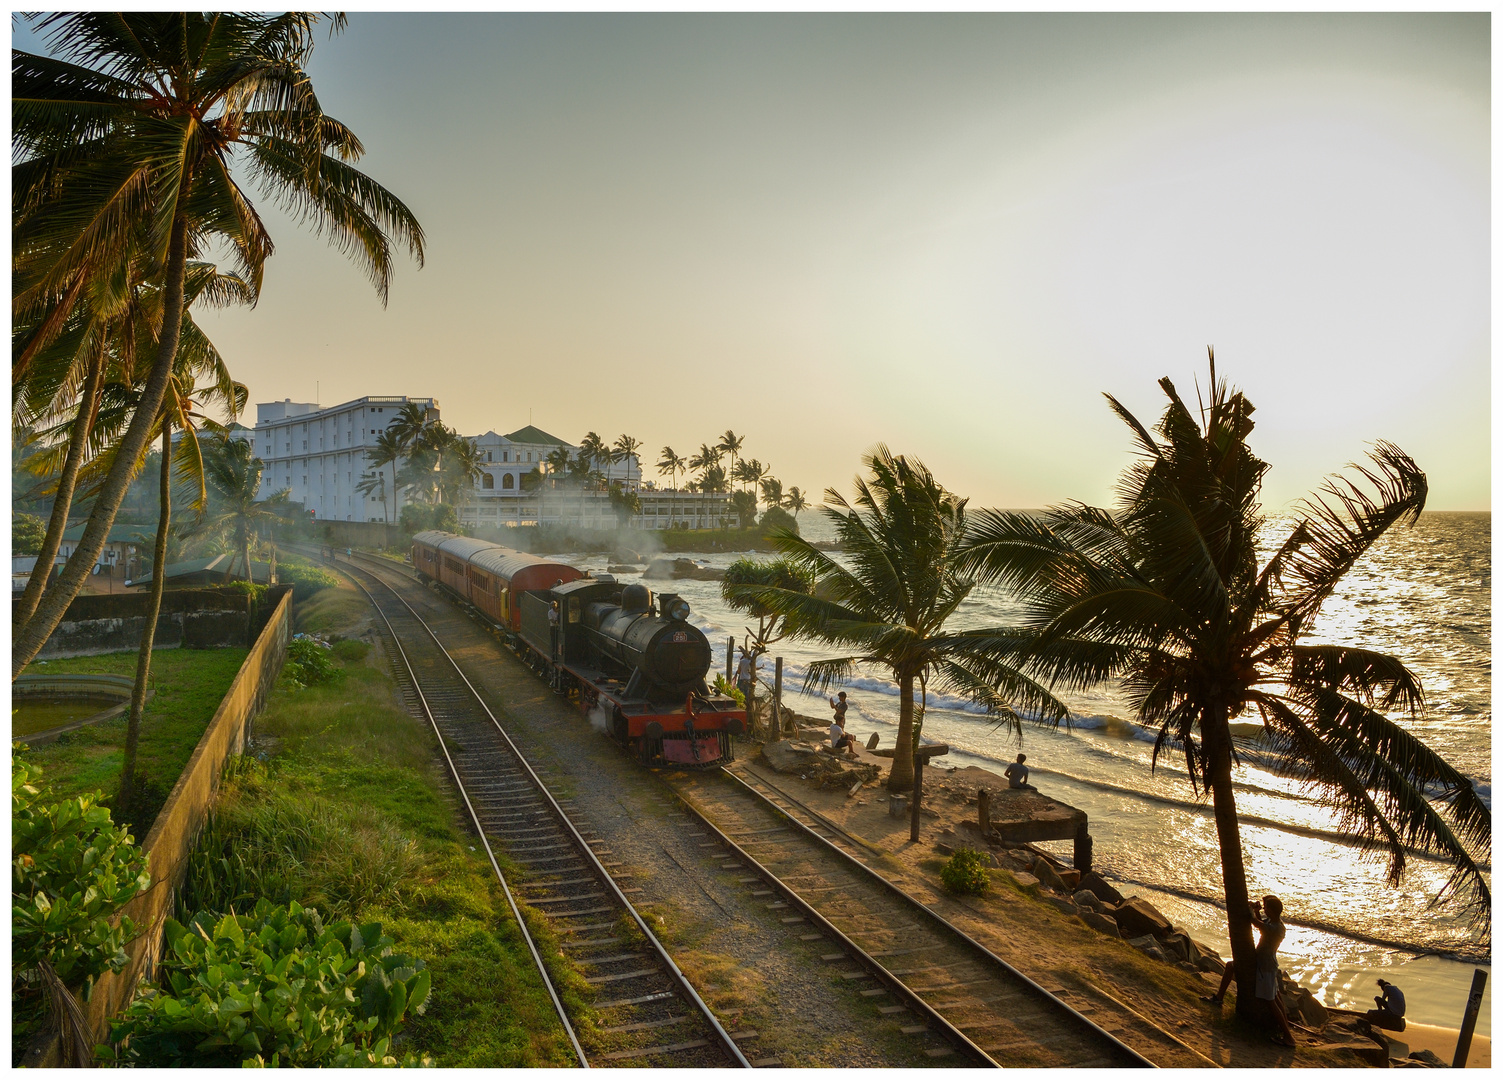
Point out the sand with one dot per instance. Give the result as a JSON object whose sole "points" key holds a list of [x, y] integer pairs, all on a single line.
{"points": [[1158, 1008]]}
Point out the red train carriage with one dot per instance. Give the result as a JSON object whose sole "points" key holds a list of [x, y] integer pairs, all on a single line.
{"points": [[489, 576]]}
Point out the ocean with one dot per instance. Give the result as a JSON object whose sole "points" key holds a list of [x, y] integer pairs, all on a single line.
{"points": [[1423, 594]]}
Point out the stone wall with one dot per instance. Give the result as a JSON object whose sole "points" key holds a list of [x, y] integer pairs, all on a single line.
{"points": [[190, 618], [176, 828], [367, 534]]}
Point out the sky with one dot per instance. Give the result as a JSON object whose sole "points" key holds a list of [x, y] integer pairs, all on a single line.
{"points": [[951, 234]]}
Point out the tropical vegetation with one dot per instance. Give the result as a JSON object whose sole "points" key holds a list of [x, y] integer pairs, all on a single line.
{"points": [[891, 600], [125, 146], [1171, 593]]}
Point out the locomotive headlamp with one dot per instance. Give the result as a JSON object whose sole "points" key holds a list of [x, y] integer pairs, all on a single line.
{"points": [[679, 609]]}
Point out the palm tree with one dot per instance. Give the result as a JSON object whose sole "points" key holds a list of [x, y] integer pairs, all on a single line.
{"points": [[670, 464], [795, 501], [730, 443], [707, 459], [123, 147], [388, 450], [772, 490], [558, 461], [901, 537], [372, 483], [460, 465], [1166, 592], [595, 448], [624, 450]]}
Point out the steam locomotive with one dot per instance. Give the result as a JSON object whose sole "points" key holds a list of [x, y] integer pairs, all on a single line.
{"points": [[628, 660]]}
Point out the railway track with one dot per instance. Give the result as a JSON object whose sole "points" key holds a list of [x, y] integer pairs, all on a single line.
{"points": [[646, 1012], [937, 977], [967, 1005]]}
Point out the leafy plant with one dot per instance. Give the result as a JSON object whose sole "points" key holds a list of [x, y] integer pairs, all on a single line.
{"points": [[306, 578], [276, 988], [247, 588], [351, 650], [26, 534], [308, 663], [966, 873], [72, 869], [723, 687]]}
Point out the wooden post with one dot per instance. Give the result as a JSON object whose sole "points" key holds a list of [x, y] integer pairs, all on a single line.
{"points": [[777, 694], [1469, 1020], [918, 797], [730, 659], [984, 811]]}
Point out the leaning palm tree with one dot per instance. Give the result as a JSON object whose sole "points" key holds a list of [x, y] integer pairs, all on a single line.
{"points": [[795, 501], [772, 490], [132, 128], [372, 484], [1166, 593], [387, 450], [893, 604]]}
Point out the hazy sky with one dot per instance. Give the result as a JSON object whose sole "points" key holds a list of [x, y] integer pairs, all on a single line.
{"points": [[948, 233]]}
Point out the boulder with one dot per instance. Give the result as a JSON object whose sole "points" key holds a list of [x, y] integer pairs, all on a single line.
{"points": [[1186, 966], [1429, 1058], [1086, 899], [1103, 923], [1071, 878], [1153, 952], [791, 756], [1098, 885], [944, 849], [1025, 881], [1141, 941], [1137, 916], [1206, 958], [1064, 905], [1045, 872], [1309, 1011], [1177, 945]]}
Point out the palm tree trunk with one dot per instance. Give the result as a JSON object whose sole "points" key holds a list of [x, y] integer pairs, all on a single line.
{"points": [[62, 502], [149, 631], [55, 601], [245, 552], [1218, 748], [901, 777]]}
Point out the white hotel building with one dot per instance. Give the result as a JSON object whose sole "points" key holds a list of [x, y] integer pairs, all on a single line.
{"points": [[318, 456]]}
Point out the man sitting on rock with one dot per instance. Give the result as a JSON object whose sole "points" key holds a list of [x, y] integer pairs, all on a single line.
{"points": [[839, 740], [1389, 1014], [1017, 773], [1266, 917]]}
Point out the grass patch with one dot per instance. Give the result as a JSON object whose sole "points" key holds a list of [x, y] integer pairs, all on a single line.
{"points": [[189, 684], [348, 815]]}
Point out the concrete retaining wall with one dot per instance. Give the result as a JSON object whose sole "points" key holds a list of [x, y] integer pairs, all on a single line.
{"points": [[172, 836], [190, 618], [370, 534]]}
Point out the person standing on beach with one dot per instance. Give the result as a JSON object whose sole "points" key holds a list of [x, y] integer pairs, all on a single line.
{"points": [[744, 676], [1267, 918], [839, 707]]}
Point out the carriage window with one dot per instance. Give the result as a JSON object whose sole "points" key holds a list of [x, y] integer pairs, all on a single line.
{"points": [[574, 609]]}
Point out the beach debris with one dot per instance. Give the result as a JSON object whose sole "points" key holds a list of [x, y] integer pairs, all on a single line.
{"points": [[897, 805]]}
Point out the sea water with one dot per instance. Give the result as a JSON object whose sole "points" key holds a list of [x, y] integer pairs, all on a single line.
{"points": [[1422, 594]]}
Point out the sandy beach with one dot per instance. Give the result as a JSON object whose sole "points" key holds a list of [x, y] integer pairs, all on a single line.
{"points": [[1156, 1004]]}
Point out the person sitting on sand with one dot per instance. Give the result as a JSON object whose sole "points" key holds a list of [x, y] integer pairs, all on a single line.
{"points": [[1266, 917], [1389, 1014], [839, 740], [1017, 773]]}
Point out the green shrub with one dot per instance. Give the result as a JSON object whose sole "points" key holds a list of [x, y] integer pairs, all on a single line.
{"points": [[275, 988], [966, 873], [72, 869], [723, 687], [308, 663], [248, 588], [27, 531], [306, 579], [351, 650]]}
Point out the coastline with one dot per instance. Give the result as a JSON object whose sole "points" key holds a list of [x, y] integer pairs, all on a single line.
{"points": [[1031, 930]]}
